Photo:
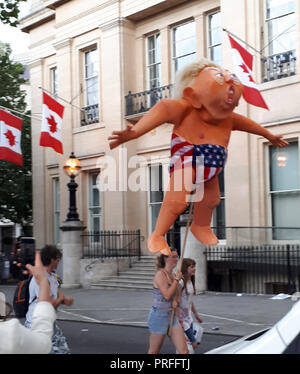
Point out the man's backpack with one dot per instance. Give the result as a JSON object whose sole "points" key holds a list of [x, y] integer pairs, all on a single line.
{"points": [[21, 298]]}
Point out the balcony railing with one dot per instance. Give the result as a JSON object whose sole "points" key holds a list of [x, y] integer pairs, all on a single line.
{"points": [[279, 66], [143, 101], [89, 115]]}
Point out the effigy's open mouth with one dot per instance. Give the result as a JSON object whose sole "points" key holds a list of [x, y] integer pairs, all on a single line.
{"points": [[230, 96]]}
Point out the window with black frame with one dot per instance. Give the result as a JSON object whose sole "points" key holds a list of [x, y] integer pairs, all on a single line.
{"points": [[215, 37], [284, 191], [280, 39], [53, 78], [156, 193], [154, 61], [90, 112], [184, 44], [219, 219], [94, 200]]}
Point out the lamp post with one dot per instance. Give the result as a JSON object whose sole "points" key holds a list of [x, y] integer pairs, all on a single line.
{"points": [[72, 169], [71, 230]]}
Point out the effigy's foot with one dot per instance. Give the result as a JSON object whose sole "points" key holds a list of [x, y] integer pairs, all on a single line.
{"points": [[204, 234], [157, 243]]}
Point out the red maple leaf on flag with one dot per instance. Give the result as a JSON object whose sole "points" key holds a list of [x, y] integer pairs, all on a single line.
{"points": [[52, 123], [11, 138], [245, 70]]}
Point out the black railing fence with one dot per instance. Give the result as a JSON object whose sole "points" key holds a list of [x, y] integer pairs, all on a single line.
{"points": [[113, 244], [89, 115], [278, 66], [265, 269], [250, 259], [143, 101]]}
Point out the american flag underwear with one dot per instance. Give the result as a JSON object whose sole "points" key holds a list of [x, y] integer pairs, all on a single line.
{"points": [[207, 159]]}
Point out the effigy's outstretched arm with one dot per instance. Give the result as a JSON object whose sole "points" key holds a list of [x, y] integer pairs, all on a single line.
{"points": [[243, 123], [165, 111]]}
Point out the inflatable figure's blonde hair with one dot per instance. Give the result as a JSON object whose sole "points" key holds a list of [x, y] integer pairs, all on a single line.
{"points": [[185, 76]]}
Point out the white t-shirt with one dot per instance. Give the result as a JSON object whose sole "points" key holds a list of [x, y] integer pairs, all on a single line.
{"points": [[34, 293], [185, 305]]}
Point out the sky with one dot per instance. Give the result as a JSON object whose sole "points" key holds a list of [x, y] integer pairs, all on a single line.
{"points": [[18, 40]]}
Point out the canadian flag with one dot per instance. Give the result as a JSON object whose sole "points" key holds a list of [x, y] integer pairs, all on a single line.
{"points": [[10, 138], [243, 61], [51, 124]]}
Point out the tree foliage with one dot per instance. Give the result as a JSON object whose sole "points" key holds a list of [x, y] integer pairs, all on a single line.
{"points": [[9, 11], [15, 180]]}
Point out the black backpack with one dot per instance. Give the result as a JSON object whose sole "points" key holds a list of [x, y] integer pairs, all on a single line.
{"points": [[21, 298]]}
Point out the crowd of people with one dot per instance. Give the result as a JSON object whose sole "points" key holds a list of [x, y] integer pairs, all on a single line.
{"points": [[170, 314]]}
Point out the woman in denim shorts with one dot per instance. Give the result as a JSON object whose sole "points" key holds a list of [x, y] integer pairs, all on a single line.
{"points": [[164, 289]]}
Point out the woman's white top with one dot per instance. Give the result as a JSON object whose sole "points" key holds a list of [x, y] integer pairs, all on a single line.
{"points": [[185, 306]]}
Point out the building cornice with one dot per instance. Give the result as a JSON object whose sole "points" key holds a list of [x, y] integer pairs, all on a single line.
{"points": [[62, 43], [85, 13], [37, 18], [35, 63], [53, 4], [117, 22]]}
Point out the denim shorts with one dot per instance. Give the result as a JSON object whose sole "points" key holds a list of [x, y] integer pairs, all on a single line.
{"points": [[190, 334], [158, 321]]}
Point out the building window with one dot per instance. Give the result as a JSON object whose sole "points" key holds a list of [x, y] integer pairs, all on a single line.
{"points": [[90, 114], [94, 203], [156, 193], [215, 38], [184, 44], [280, 41], [53, 78], [154, 61], [285, 190], [56, 211], [219, 221]]}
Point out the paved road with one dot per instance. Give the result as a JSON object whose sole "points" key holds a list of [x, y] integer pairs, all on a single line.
{"points": [[231, 314], [96, 338]]}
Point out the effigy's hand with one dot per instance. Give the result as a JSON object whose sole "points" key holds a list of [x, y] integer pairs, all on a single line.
{"points": [[277, 140], [119, 137]]}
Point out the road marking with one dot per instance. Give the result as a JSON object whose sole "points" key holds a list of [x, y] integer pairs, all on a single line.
{"points": [[106, 309], [112, 321], [233, 320]]}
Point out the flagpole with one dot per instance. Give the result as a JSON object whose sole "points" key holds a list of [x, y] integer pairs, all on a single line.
{"points": [[66, 101], [16, 111], [248, 45]]}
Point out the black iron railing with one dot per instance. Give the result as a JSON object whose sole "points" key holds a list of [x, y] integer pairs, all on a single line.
{"points": [[266, 269], [279, 66], [89, 115], [104, 244], [143, 101]]}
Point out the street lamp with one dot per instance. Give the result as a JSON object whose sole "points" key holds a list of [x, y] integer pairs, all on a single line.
{"points": [[72, 169]]}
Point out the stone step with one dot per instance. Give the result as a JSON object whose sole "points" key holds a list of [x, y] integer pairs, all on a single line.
{"points": [[134, 276], [120, 286], [138, 277], [138, 273], [116, 279]]}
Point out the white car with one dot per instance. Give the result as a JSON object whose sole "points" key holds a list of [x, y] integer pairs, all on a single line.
{"points": [[283, 337]]}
